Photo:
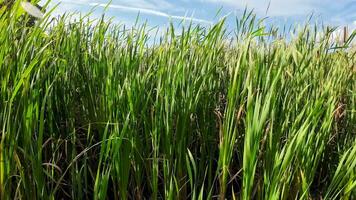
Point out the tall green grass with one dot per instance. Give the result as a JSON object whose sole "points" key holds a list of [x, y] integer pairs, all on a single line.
{"points": [[94, 110]]}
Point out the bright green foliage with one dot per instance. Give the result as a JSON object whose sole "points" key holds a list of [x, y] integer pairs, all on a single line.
{"points": [[94, 110]]}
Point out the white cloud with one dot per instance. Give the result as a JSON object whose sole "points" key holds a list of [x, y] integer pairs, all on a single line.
{"points": [[284, 7], [275, 7]]}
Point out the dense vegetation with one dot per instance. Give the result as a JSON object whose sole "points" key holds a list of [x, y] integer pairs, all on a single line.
{"points": [[94, 110]]}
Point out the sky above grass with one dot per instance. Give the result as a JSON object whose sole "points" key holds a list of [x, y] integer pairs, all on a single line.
{"points": [[160, 12]]}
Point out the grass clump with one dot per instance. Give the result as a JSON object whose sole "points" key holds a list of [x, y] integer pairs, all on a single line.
{"points": [[90, 109]]}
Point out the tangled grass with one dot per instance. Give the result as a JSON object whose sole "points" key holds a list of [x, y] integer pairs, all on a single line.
{"points": [[92, 110]]}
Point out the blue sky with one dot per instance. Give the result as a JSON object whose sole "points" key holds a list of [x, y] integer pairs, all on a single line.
{"points": [[160, 12]]}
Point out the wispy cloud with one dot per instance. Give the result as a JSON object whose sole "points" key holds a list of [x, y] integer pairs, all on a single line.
{"points": [[151, 12], [281, 11], [149, 4], [144, 10]]}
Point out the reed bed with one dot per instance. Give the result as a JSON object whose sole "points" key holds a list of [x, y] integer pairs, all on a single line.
{"points": [[94, 110]]}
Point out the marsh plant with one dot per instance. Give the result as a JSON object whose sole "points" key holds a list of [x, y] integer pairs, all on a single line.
{"points": [[94, 110]]}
